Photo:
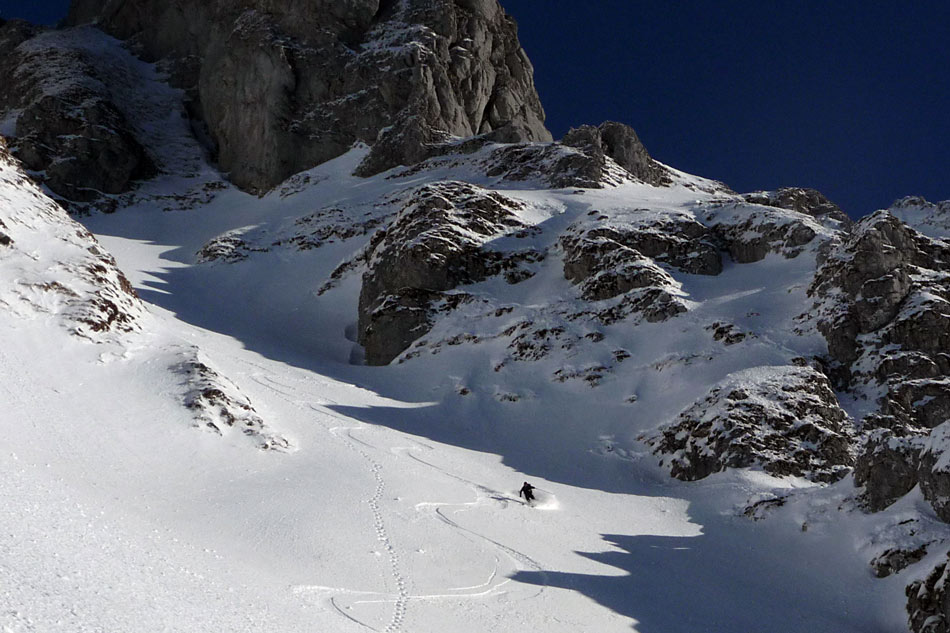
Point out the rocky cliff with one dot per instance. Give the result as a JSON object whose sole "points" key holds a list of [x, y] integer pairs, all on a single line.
{"points": [[283, 86]]}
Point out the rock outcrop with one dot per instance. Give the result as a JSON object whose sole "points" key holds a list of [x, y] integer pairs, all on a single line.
{"points": [[621, 143], [552, 165], [219, 405], [928, 603], [283, 86], [887, 468], [437, 242], [883, 305], [808, 201], [53, 266], [622, 260], [934, 471], [785, 420], [69, 127], [749, 232]]}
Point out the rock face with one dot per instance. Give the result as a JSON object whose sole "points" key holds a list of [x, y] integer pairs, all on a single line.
{"points": [[785, 420], [608, 261], [883, 305], [930, 218], [435, 244], [934, 471], [808, 201], [619, 142], [580, 163], [887, 468], [69, 126], [928, 603], [868, 278], [750, 232], [283, 86]]}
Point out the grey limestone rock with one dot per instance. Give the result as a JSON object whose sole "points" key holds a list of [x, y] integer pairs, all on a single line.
{"points": [[934, 471], [283, 86], [219, 405], [808, 201], [69, 128], [749, 232], [436, 243], [883, 305], [621, 143], [887, 468], [895, 560], [866, 279], [928, 603], [605, 267], [85, 287], [785, 420], [609, 260]]}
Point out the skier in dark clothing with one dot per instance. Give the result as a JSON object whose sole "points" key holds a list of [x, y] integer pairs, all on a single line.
{"points": [[527, 490]]}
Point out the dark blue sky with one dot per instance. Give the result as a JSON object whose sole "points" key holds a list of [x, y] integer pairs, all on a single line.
{"points": [[852, 98], [38, 11]]}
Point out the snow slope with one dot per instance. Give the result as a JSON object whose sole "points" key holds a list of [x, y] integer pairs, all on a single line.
{"points": [[119, 519], [411, 523], [397, 508]]}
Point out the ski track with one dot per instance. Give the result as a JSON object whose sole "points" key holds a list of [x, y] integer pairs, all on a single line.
{"points": [[401, 599], [345, 436]]}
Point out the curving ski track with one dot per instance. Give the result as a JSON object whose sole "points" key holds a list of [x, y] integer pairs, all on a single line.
{"points": [[402, 597]]}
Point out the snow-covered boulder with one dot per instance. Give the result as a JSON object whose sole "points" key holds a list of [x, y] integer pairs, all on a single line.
{"points": [[785, 420], [437, 242], [887, 468], [803, 200], [928, 601], [620, 143]]}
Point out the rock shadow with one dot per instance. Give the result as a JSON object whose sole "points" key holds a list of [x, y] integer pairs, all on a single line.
{"points": [[709, 584]]}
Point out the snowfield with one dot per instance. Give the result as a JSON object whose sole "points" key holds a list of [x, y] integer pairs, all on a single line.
{"points": [[398, 509], [281, 485]]}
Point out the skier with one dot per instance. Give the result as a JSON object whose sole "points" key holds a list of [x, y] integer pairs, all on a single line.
{"points": [[527, 491]]}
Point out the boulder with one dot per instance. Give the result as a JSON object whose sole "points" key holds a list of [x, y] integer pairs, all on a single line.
{"points": [[785, 420], [69, 128], [887, 468], [437, 242], [928, 603], [620, 143]]}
